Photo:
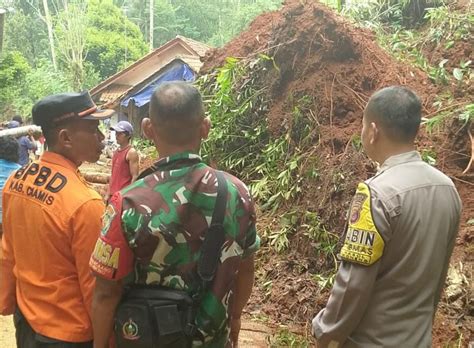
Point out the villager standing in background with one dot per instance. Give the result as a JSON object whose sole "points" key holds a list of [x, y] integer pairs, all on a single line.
{"points": [[26, 142], [125, 161], [401, 232], [8, 163], [51, 220]]}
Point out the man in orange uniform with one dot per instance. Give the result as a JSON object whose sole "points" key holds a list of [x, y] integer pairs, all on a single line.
{"points": [[51, 220]]}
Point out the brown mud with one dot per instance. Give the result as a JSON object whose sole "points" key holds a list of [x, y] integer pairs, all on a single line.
{"points": [[322, 58]]}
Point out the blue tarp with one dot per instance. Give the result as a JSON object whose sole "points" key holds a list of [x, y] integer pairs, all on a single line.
{"points": [[177, 72]]}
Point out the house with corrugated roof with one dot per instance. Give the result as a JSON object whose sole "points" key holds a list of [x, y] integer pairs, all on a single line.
{"points": [[129, 90]]}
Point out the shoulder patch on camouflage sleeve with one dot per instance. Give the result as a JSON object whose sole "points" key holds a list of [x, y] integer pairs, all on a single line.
{"points": [[363, 243], [107, 218]]}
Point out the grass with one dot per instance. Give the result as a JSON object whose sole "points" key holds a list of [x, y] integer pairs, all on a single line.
{"points": [[444, 27], [285, 338]]}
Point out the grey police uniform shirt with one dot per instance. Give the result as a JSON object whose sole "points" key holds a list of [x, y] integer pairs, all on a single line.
{"points": [[392, 302]]}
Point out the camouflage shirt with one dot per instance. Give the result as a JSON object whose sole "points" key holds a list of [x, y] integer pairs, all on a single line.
{"points": [[174, 205]]}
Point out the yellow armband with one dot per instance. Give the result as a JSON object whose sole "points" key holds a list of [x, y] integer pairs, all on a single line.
{"points": [[363, 244]]}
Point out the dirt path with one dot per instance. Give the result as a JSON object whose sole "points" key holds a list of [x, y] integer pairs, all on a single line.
{"points": [[252, 335]]}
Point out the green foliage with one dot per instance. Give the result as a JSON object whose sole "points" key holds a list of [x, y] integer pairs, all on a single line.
{"points": [[356, 141], [267, 288], [275, 166], [22, 86], [448, 108], [445, 28], [279, 239], [464, 72], [112, 40], [43, 81], [242, 141], [145, 147], [438, 74], [286, 338], [13, 68], [93, 48], [231, 20], [214, 21], [26, 33], [325, 281], [429, 156], [13, 71], [396, 13], [91, 45], [435, 122], [467, 114], [323, 241], [91, 76], [70, 27], [448, 25]]}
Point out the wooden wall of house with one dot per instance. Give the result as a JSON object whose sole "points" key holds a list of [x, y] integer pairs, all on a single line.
{"points": [[135, 116]]}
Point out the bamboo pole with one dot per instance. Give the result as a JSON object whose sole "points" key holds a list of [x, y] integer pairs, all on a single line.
{"points": [[152, 25], [20, 131]]}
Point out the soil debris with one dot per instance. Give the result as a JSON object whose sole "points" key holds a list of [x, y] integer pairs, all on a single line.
{"points": [[320, 63]]}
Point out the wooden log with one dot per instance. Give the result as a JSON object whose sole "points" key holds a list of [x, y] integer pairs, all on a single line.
{"points": [[100, 189], [97, 178], [20, 131]]}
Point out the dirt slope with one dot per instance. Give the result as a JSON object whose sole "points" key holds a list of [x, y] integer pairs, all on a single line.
{"points": [[321, 58]]}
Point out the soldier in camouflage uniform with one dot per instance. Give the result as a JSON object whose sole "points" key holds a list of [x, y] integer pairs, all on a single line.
{"points": [[153, 229]]}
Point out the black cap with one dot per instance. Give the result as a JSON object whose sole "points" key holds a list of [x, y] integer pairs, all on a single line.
{"points": [[18, 119], [63, 106]]}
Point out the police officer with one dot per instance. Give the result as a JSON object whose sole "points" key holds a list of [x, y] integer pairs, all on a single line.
{"points": [[175, 203], [51, 220], [401, 231]]}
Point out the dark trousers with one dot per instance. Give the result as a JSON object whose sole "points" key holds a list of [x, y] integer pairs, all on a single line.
{"points": [[27, 338]]}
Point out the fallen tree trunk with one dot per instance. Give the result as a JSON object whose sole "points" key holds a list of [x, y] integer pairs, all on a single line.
{"points": [[20, 131], [97, 178]]}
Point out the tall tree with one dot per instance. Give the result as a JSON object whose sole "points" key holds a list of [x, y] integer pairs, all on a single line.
{"points": [[26, 33], [2, 22], [71, 25], [152, 25], [13, 70], [49, 24], [112, 40]]}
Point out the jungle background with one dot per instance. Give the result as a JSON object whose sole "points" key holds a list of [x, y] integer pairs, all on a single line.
{"points": [[285, 88]]}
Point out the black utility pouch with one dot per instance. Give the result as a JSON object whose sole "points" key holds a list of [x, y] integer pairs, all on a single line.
{"points": [[154, 317], [158, 317]]}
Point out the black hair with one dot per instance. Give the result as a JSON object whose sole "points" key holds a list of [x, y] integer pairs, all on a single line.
{"points": [[50, 130], [9, 149], [50, 135], [177, 109], [127, 134], [398, 109], [17, 118]]}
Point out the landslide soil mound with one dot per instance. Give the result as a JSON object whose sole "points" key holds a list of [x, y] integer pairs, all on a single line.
{"points": [[321, 57], [320, 54]]}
